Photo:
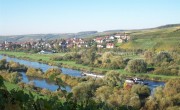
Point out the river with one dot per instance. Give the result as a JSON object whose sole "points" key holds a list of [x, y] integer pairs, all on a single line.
{"points": [[43, 83]]}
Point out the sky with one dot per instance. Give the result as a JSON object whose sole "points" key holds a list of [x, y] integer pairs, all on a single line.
{"points": [[19, 17]]}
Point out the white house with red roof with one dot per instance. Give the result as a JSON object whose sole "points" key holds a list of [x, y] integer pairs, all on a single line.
{"points": [[109, 45]]}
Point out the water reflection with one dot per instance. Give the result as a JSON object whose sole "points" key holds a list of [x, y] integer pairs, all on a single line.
{"points": [[42, 83]]}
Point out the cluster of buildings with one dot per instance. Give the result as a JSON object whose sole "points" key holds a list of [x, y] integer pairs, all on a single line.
{"points": [[102, 42], [108, 41], [46, 45], [40, 44]]}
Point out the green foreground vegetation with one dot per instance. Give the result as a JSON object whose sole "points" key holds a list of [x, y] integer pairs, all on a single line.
{"points": [[88, 94]]}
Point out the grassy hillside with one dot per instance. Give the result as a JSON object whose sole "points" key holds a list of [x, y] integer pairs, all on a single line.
{"points": [[158, 39]]}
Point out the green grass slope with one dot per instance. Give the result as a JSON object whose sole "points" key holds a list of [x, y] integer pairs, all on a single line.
{"points": [[158, 39]]}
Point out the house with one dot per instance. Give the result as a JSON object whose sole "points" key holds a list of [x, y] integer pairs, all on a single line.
{"points": [[99, 46], [109, 38], [117, 36], [120, 41], [123, 37], [109, 45], [99, 40], [79, 45]]}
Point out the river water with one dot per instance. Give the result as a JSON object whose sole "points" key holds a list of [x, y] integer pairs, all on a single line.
{"points": [[43, 83]]}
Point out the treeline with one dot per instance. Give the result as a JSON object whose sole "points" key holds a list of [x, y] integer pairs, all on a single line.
{"points": [[162, 63]]}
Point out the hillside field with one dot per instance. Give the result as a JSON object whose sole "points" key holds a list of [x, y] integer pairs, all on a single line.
{"points": [[157, 39]]}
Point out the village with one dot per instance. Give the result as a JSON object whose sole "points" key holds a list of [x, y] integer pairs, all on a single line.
{"points": [[51, 46]]}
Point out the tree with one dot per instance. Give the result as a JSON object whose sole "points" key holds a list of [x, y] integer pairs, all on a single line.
{"points": [[34, 72], [142, 90], [52, 73], [163, 57], [151, 104], [13, 66], [3, 63], [124, 98], [60, 83], [14, 77], [149, 57], [165, 97], [118, 62], [113, 79], [1, 82], [84, 92], [136, 66], [103, 93]]}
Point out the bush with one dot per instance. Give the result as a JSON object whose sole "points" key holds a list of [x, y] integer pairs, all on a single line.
{"points": [[79, 61], [67, 57], [57, 58], [34, 72], [136, 66], [3, 63], [14, 77], [142, 90], [52, 73], [163, 57], [167, 68]]}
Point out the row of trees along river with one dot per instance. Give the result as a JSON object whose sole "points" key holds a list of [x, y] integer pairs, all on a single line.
{"points": [[44, 83]]}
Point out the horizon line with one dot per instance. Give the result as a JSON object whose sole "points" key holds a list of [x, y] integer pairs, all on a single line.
{"points": [[92, 30]]}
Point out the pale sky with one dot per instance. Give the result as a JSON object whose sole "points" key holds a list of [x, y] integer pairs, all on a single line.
{"points": [[66, 16]]}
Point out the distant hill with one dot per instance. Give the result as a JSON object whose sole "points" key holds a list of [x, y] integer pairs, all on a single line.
{"points": [[115, 31], [168, 26], [165, 37], [35, 37]]}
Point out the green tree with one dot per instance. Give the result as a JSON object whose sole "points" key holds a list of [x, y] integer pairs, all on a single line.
{"points": [[14, 77], [142, 90], [136, 66], [149, 57], [34, 72], [103, 93], [113, 79], [84, 92], [163, 57], [3, 63], [52, 73], [165, 97]]}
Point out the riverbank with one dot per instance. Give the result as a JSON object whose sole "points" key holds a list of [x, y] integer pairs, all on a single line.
{"points": [[42, 58], [70, 77]]}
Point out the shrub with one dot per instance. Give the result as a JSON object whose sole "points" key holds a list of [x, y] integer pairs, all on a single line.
{"points": [[141, 90], [34, 72], [136, 66], [57, 58], [52, 73], [163, 57]]}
